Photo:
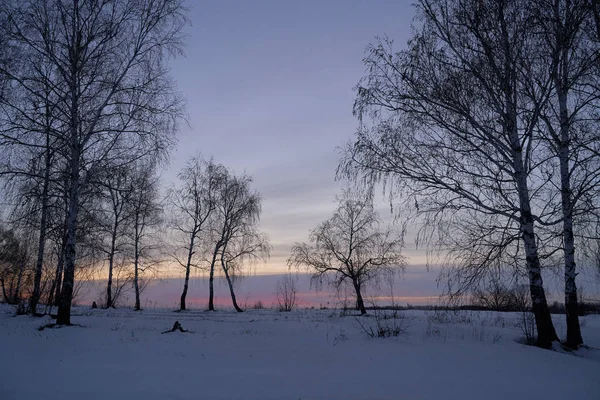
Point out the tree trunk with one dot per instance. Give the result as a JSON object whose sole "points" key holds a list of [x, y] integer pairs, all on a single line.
{"points": [[74, 165], [138, 306], [188, 267], [35, 295], [6, 298], [574, 338], [211, 280], [230, 283], [17, 291], [111, 258], [595, 5], [360, 304], [59, 269], [11, 291], [61, 260], [136, 264], [50, 301], [66, 293], [545, 327], [136, 280], [543, 319], [185, 289]]}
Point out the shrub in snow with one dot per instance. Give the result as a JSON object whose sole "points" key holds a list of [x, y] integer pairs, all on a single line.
{"points": [[286, 292], [383, 324]]}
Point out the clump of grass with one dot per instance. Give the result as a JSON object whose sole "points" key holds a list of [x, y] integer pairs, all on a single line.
{"points": [[258, 305], [385, 324]]}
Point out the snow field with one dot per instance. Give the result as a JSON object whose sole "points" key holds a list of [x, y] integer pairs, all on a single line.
{"points": [[304, 354]]}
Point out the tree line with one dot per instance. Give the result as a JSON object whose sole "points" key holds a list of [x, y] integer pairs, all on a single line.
{"points": [[85, 93]]}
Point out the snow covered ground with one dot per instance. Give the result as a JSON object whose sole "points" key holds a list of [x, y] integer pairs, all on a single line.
{"points": [[305, 354]]}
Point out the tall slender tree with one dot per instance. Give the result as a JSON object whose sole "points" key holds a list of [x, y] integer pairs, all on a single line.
{"points": [[193, 202], [566, 43], [146, 212], [116, 192], [235, 227]]}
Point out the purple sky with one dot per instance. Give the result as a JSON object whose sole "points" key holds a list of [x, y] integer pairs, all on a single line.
{"points": [[414, 288], [269, 86], [269, 90]]}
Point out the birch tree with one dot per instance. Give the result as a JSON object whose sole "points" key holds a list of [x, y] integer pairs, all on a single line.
{"points": [[193, 203], [111, 86], [59, 237], [28, 122], [453, 125], [351, 247], [235, 237], [114, 218], [146, 212], [48, 124], [566, 39], [239, 213]]}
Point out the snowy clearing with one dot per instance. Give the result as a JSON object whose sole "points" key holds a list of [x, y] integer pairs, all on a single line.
{"points": [[304, 354]]}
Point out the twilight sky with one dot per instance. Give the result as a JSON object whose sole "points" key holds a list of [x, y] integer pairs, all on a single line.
{"points": [[269, 91], [269, 86]]}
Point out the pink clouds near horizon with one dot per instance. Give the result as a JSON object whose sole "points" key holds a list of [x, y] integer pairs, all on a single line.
{"points": [[418, 289]]}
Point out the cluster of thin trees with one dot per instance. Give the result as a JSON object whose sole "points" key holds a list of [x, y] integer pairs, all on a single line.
{"points": [[88, 115], [87, 112], [487, 123], [215, 225], [351, 250]]}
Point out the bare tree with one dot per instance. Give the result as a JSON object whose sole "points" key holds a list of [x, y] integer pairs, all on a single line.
{"points": [[29, 120], [567, 44], [44, 198], [245, 246], [193, 203], [495, 295], [122, 281], [30, 192], [110, 86], [146, 213], [351, 247], [235, 236], [287, 289], [455, 127], [59, 237], [117, 189]]}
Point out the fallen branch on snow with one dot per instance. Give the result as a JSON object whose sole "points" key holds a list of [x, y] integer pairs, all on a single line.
{"points": [[176, 327]]}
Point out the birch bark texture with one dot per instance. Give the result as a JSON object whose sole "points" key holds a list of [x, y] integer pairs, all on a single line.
{"points": [[569, 45]]}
